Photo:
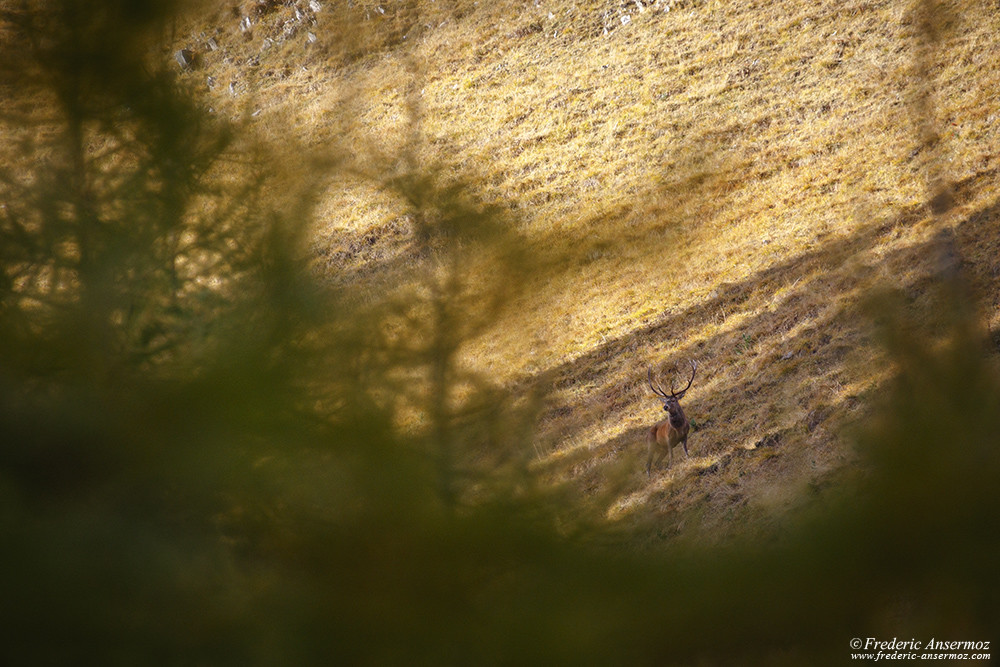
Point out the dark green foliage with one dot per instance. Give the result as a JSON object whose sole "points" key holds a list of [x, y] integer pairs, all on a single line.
{"points": [[199, 461]]}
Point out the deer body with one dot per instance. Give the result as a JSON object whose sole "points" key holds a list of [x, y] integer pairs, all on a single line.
{"points": [[664, 436], [672, 431]]}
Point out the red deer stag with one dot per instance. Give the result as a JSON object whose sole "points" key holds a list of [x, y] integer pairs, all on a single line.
{"points": [[673, 430]]}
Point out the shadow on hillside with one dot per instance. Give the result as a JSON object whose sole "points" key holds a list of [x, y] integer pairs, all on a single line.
{"points": [[801, 320]]}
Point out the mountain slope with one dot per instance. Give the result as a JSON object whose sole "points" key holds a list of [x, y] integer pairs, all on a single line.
{"points": [[726, 182]]}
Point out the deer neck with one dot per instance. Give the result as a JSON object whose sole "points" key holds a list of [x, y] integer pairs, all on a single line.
{"points": [[677, 418]]}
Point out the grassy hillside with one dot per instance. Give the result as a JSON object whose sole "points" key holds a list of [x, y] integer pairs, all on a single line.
{"points": [[717, 181], [324, 330]]}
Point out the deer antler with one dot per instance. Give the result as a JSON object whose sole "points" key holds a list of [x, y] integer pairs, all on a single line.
{"points": [[656, 389], [680, 394]]}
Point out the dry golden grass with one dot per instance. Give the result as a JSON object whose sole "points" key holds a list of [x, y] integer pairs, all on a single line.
{"points": [[722, 181]]}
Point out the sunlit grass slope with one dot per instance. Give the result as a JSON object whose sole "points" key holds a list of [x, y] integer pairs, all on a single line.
{"points": [[720, 181]]}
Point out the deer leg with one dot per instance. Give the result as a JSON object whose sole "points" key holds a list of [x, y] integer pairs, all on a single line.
{"points": [[656, 455], [665, 452], [685, 443], [651, 451]]}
